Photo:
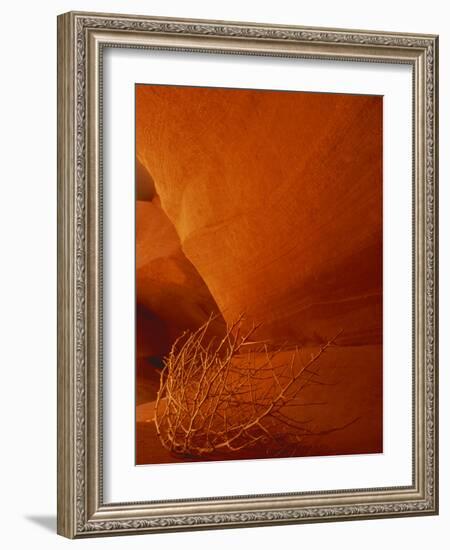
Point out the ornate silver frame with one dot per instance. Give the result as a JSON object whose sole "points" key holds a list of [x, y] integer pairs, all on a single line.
{"points": [[81, 38]]}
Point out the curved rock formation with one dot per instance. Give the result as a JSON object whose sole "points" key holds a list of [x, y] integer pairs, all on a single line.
{"points": [[171, 295], [276, 199]]}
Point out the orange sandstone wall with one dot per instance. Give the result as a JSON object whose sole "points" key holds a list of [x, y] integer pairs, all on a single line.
{"points": [[274, 199]]}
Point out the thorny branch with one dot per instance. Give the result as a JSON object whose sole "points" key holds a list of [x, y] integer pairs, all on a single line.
{"points": [[233, 394]]}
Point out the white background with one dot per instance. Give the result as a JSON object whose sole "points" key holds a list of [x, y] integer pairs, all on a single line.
{"points": [[123, 482], [28, 275]]}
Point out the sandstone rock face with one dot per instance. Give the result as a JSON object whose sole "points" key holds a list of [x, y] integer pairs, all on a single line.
{"points": [[171, 296], [270, 205]]}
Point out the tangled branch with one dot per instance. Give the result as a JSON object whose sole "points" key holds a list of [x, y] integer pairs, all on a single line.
{"points": [[223, 396]]}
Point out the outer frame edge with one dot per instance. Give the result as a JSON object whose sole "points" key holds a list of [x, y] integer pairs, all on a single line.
{"points": [[65, 446], [68, 490]]}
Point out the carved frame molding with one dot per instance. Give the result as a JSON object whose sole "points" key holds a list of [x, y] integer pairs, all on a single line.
{"points": [[81, 39]]}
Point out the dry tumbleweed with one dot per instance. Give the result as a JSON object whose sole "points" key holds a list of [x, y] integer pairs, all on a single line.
{"points": [[224, 395]]}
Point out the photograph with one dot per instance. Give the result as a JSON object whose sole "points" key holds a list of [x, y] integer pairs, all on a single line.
{"points": [[226, 251], [259, 273], [247, 274]]}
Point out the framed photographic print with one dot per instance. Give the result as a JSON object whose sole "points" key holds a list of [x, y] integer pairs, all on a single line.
{"points": [[247, 276]]}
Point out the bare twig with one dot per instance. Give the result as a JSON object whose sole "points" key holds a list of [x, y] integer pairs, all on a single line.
{"points": [[232, 394]]}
